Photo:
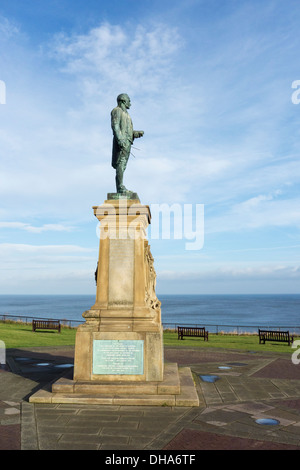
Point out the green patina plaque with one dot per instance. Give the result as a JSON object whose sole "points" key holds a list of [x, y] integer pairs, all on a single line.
{"points": [[118, 357]]}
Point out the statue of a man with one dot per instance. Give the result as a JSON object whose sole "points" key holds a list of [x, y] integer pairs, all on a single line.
{"points": [[124, 136]]}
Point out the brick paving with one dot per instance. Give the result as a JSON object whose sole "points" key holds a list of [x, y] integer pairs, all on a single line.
{"points": [[280, 368], [10, 437], [10, 425], [189, 439], [249, 386]]}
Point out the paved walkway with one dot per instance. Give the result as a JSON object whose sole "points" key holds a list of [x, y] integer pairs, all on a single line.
{"points": [[248, 387]]}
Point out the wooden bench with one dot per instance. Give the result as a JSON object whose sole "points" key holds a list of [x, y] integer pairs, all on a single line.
{"points": [[192, 331], [46, 325], [278, 336]]}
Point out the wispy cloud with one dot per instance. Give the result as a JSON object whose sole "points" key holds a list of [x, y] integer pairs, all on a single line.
{"points": [[33, 229], [267, 272], [264, 210], [48, 268], [7, 249], [111, 56], [8, 28], [264, 279]]}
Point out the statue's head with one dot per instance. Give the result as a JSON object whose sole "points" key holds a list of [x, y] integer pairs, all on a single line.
{"points": [[124, 99]]}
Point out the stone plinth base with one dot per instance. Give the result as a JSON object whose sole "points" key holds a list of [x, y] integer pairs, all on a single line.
{"points": [[126, 195], [117, 329], [176, 389], [119, 349]]}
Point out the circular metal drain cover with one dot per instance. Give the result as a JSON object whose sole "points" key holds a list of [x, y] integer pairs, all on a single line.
{"points": [[23, 359], [267, 421], [209, 378], [61, 366], [237, 364]]}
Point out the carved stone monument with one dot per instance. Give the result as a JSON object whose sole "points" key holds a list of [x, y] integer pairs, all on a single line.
{"points": [[126, 313], [119, 349]]}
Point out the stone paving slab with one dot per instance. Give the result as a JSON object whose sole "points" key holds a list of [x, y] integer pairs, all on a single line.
{"points": [[94, 428], [255, 386]]}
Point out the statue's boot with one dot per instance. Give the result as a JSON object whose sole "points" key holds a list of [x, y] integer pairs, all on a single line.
{"points": [[122, 189], [119, 182]]}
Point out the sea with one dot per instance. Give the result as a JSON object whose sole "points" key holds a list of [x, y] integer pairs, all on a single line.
{"points": [[228, 313]]}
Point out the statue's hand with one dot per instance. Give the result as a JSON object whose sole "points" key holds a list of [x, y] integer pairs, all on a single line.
{"points": [[137, 134], [122, 143]]}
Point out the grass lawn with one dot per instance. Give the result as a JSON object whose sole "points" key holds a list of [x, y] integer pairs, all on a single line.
{"points": [[17, 335], [228, 341]]}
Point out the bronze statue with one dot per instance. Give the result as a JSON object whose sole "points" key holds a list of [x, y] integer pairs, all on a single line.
{"points": [[124, 136]]}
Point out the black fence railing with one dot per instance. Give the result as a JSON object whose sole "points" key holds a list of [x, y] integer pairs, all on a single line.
{"points": [[235, 329], [28, 319], [212, 328]]}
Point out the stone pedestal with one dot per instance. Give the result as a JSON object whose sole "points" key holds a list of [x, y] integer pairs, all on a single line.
{"points": [[119, 349], [126, 313]]}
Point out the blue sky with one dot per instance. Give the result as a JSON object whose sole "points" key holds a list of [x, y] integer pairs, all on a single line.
{"points": [[211, 86]]}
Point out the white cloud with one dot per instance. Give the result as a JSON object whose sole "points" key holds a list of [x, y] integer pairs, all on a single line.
{"points": [[23, 258], [8, 28], [242, 273], [46, 249], [71, 141], [137, 59], [33, 229], [46, 268], [263, 211], [56, 139]]}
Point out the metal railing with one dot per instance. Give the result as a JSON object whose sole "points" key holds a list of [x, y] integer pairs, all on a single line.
{"points": [[28, 319], [212, 328], [235, 329]]}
